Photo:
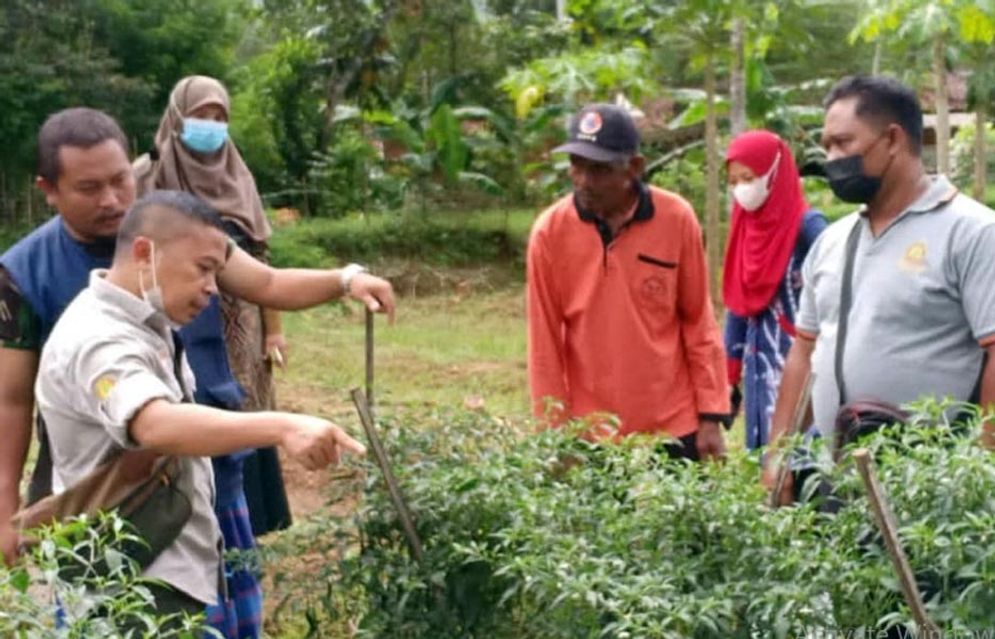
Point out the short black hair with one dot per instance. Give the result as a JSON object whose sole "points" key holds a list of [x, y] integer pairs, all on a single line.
{"points": [[81, 127], [153, 214], [884, 100]]}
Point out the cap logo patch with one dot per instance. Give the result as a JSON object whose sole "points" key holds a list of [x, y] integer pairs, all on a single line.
{"points": [[590, 123]]}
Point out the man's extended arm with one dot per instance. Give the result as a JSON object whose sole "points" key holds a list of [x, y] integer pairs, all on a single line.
{"points": [[547, 374], [797, 368], [200, 431], [291, 289], [17, 376], [702, 342]]}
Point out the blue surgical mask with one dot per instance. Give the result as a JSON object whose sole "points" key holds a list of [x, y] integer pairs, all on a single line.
{"points": [[203, 136]]}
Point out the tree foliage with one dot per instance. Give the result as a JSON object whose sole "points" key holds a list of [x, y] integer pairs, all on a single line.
{"points": [[295, 66], [119, 56]]}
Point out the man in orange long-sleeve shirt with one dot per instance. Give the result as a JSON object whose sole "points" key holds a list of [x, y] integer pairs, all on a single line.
{"points": [[620, 319]]}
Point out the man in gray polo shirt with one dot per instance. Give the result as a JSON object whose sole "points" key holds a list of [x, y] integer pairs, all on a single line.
{"points": [[111, 380], [923, 305]]}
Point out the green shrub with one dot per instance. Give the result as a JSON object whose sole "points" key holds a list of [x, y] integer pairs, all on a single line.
{"points": [[444, 239], [550, 536], [76, 573], [962, 155]]}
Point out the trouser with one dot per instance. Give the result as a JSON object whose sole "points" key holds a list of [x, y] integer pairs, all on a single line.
{"points": [[685, 447]]}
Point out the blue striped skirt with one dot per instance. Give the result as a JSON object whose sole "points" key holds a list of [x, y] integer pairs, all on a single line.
{"points": [[240, 615]]}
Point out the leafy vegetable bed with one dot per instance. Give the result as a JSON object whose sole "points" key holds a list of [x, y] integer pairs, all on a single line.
{"points": [[551, 536]]}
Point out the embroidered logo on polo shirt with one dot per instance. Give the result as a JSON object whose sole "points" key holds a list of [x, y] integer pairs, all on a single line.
{"points": [[589, 126], [103, 386], [914, 260]]}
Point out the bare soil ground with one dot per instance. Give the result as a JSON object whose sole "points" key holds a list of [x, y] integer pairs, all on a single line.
{"points": [[306, 490]]}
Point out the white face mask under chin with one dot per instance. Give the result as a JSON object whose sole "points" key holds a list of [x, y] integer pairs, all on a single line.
{"points": [[153, 296], [752, 195]]}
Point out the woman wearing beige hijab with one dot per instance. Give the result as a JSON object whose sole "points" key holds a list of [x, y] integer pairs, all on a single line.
{"points": [[194, 153]]}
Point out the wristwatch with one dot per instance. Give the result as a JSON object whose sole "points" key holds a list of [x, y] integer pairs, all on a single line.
{"points": [[348, 273]]}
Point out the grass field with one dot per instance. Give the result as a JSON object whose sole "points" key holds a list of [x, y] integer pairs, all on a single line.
{"points": [[443, 349]]}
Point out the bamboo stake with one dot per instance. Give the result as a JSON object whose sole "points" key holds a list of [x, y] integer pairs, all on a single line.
{"points": [[369, 359], [885, 520], [407, 523]]}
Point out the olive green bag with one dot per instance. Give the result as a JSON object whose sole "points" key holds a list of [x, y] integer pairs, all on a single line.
{"points": [[139, 485]]}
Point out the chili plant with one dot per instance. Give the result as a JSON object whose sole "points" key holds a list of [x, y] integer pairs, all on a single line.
{"points": [[549, 535]]}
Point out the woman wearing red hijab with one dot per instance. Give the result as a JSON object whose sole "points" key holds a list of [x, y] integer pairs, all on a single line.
{"points": [[772, 230]]}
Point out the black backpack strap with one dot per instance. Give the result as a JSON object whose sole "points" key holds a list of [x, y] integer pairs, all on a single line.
{"points": [[846, 301], [178, 351], [975, 397]]}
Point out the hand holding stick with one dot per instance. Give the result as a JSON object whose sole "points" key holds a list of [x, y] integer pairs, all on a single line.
{"points": [[784, 465]]}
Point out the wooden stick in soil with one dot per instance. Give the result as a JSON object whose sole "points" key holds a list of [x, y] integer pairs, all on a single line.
{"points": [[885, 520], [784, 467], [380, 455], [369, 359]]}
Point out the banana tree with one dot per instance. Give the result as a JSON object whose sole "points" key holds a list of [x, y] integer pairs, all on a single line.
{"points": [[749, 39], [435, 150], [578, 77], [704, 28], [919, 23], [976, 23]]}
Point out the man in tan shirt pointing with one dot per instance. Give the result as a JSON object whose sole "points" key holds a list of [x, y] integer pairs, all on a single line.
{"points": [[113, 378]]}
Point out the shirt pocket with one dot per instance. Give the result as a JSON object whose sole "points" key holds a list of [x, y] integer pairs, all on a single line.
{"points": [[654, 287]]}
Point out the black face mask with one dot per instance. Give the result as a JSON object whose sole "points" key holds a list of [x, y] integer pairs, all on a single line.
{"points": [[849, 182]]}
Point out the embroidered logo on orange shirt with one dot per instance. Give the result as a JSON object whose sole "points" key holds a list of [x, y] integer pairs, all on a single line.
{"points": [[654, 293]]}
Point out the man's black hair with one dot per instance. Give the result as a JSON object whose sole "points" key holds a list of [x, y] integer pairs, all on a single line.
{"points": [[153, 214], [80, 127], [883, 100]]}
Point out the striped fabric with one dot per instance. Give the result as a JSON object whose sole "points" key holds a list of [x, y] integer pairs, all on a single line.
{"points": [[759, 344], [240, 616]]}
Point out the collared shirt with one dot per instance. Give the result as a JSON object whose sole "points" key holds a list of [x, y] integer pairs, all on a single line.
{"points": [[625, 327], [109, 355], [640, 211], [923, 303]]}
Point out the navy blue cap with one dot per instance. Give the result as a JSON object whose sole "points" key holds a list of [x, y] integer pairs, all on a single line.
{"points": [[602, 133]]}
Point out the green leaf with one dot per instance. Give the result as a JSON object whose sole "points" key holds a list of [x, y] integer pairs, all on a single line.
{"points": [[447, 141], [481, 181], [975, 24], [20, 579]]}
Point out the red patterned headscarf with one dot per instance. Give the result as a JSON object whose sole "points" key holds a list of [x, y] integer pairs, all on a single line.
{"points": [[761, 242]]}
